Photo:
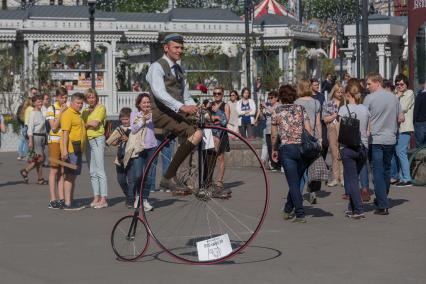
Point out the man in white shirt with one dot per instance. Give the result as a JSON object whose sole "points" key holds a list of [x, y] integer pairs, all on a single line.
{"points": [[172, 104]]}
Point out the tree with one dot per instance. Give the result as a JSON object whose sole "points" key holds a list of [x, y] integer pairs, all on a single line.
{"points": [[330, 13], [147, 6]]}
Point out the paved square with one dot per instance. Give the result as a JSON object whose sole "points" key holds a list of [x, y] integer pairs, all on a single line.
{"points": [[39, 245]]}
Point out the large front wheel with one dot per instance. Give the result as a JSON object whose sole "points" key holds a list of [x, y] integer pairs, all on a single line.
{"points": [[225, 207]]}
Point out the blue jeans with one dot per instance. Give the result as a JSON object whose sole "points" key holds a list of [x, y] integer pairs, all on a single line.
{"points": [[137, 167], [381, 157], [22, 146], [294, 167], [352, 166], [166, 158], [420, 133], [363, 176], [400, 158], [95, 158], [123, 177]]}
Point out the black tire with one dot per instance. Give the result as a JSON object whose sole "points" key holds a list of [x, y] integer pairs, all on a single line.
{"points": [[179, 222], [129, 238]]}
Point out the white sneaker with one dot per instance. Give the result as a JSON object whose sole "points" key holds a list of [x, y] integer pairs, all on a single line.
{"points": [[147, 206], [135, 204], [312, 198]]}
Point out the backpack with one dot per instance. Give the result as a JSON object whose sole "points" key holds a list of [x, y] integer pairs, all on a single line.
{"points": [[349, 134], [18, 115], [47, 124]]}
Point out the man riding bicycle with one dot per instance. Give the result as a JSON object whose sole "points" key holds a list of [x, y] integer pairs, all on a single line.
{"points": [[172, 104]]}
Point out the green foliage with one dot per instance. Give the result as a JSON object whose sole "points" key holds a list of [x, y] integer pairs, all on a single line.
{"points": [[208, 69], [191, 3], [269, 69], [334, 10], [147, 6], [6, 70], [327, 66], [332, 14]]}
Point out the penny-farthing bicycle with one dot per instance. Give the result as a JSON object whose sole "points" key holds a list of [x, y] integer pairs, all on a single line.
{"points": [[212, 222]]}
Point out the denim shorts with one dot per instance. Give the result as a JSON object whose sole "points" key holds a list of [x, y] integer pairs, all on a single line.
{"points": [[75, 159]]}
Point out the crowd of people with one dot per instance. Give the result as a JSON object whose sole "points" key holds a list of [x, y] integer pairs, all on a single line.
{"points": [[386, 116]]}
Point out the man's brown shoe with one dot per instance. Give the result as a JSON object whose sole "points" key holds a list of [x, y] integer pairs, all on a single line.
{"points": [[174, 186]]}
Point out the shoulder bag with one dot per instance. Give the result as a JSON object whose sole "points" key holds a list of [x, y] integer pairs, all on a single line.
{"points": [[349, 134], [310, 149]]}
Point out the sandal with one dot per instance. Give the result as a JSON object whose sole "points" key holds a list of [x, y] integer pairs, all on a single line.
{"points": [[42, 181], [219, 185], [24, 175]]}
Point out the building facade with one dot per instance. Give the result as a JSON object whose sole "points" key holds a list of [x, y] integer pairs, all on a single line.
{"points": [[388, 46], [8, 4], [56, 38], [391, 7]]}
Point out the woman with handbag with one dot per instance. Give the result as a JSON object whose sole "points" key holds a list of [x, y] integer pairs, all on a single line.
{"points": [[313, 109], [288, 123], [353, 139], [36, 141], [329, 112]]}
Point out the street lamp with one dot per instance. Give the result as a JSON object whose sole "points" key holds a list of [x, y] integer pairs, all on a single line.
{"points": [[341, 17], [92, 8], [358, 40], [247, 16]]}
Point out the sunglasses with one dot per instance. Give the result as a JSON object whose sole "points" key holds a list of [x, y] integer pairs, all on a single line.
{"points": [[217, 94], [401, 84]]}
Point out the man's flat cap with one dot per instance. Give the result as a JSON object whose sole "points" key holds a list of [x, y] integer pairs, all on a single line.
{"points": [[173, 37]]}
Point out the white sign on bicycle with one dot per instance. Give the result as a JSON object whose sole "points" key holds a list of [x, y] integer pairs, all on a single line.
{"points": [[214, 248], [208, 142]]}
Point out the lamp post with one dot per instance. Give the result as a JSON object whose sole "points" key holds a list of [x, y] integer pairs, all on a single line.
{"points": [[92, 8], [365, 38], [358, 40], [341, 17], [247, 16]]}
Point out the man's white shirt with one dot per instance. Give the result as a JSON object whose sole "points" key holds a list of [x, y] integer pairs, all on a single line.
{"points": [[155, 78]]}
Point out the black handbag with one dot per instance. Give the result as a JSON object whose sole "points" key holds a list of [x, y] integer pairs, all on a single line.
{"points": [[310, 149], [349, 134]]}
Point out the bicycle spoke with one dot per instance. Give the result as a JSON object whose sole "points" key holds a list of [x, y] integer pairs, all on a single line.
{"points": [[180, 222]]}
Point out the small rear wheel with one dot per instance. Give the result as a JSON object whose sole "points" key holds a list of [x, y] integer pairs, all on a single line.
{"points": [[129, 238]]}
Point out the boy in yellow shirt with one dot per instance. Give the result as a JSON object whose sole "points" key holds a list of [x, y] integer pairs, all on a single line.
{"points": [[72, 142]]}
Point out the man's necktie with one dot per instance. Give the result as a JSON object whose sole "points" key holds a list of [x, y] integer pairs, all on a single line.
{"points": [[179, 74]]}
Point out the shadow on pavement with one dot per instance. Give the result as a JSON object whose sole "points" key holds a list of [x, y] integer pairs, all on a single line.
{"points": [[317, 212], [269, 254], [368, 207], [323, 194], [9, 183]]}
